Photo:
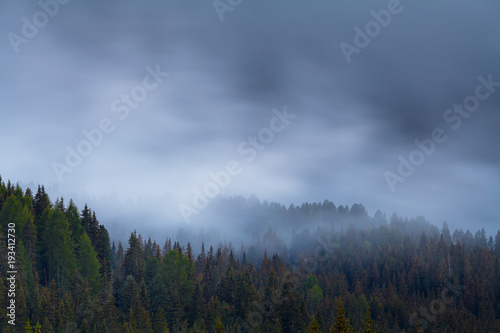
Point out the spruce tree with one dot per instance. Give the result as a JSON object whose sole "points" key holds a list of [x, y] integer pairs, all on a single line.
{"points": [[368, 322], [132, 262], [313, 326], [58, 261], [88, 265], [341, 324]]}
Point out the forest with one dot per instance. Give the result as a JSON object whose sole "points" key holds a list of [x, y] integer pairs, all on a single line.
{"points": [[315, 268]]}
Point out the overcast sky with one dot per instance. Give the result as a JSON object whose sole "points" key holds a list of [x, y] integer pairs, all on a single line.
{"points": [[355, 112]]}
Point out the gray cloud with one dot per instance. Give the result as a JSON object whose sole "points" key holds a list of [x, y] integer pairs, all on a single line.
{"points": [[353, 120]]}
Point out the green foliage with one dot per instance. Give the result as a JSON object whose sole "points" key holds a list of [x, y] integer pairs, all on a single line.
{"points": [[316, 296], [311, 281], [38, 328], [133, 263], [14, 211], [56, 249], [218, 325], [341, 324], [88, 265], [70, 280], [28, 328], [173, 275], [277, 326], [313, 326], [75, 221], [368, 322]]}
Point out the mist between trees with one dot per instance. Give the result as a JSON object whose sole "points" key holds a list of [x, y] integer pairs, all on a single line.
{"points": [[339, 270]]}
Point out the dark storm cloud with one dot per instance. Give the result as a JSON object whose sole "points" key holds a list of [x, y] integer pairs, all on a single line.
{"points": [[353, 119]]}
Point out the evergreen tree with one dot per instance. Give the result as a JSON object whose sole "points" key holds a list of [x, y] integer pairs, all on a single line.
{"points": [[396, 266], [75, 221], [120, 254], [313, 326], [103, 250], [87, 221], [28, 328], [159, 322], [445, 232], [132, 262], [277, 326], [41, 203], [368, 322], [38, 328], [127, 294], [497, 244], [88, 265], [22, 311], [218, 325], [56, 249], [109, 314], [341, 324]]}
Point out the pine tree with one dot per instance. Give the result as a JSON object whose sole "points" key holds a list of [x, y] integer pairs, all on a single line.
{"points": [[60, 204], [277, 326], [22, 311], [38, 328], [139, 316], [152, 268], [313, 326], [159, 322], [109, 313], [56, 249], [168, 246], [75, 221], [341, 324], [132, 262], [28, 328], [496, 249], [69, 309], [127, 294], [29, 239], [189, 254], [103, 250], [14, 211], [218, 325], [88, 265], [41, 203], [87, 221], [120, 254], [368, 322], [445, 232], [144, 296]]}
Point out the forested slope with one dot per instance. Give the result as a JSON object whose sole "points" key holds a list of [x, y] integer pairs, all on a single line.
{"points": [[343, 276]]}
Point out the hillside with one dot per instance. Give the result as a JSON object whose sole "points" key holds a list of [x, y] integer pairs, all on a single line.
{"points": [[350, 272]]}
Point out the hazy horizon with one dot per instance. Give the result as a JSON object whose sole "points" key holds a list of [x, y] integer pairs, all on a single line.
{"points": [[265, 99]]}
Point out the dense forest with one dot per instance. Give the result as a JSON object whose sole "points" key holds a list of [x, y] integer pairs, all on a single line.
{"points": [[348, 272]]}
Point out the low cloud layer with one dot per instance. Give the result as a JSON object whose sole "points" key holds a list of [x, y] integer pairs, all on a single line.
{"points": [[353, 120]]}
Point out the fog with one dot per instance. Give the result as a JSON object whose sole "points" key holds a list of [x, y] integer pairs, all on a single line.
{"points": [[267, 102]]}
